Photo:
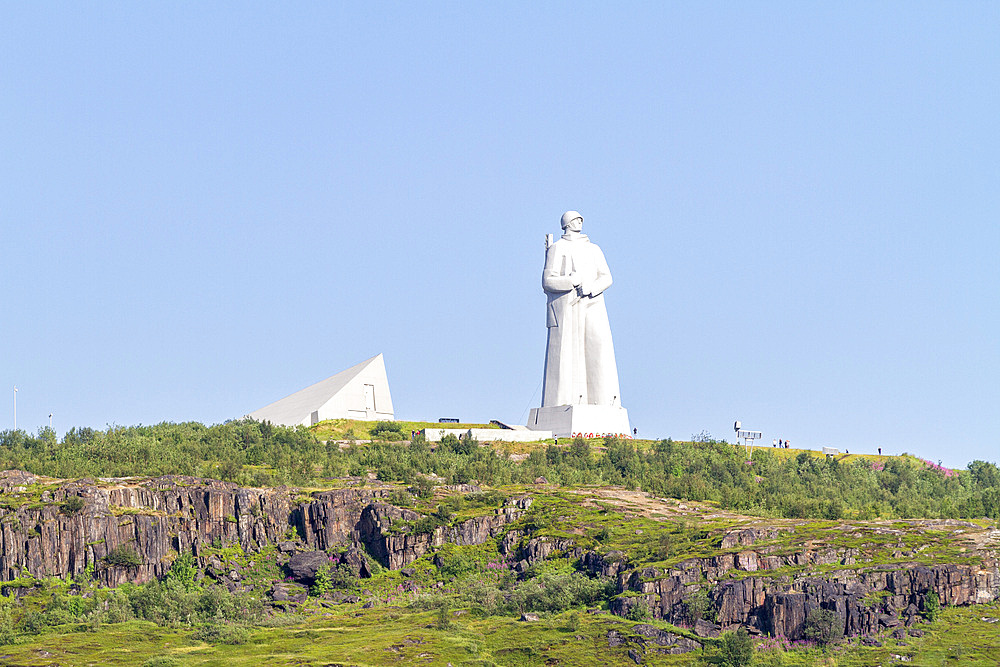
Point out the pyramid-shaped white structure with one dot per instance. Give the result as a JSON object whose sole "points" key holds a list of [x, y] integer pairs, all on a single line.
{"points": [[360, 392]]}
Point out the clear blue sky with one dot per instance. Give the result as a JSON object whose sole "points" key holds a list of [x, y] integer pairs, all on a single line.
{"points": [[207, 206]]}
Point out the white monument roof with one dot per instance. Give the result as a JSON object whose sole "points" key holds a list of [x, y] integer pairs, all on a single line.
{"points": [[360, 392]]}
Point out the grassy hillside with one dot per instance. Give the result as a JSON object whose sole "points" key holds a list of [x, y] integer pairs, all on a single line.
{"points": [[461, 604], [659, 503], [397, 636]]}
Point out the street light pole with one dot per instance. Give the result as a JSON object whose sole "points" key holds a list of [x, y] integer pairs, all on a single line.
{"points": [[15, 407]]}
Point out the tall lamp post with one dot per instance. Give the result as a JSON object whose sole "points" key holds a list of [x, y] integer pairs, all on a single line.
{"points": [[15, 407]]}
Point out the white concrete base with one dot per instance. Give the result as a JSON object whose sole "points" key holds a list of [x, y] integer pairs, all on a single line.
{"points": [[488, 434], [589, 421]]}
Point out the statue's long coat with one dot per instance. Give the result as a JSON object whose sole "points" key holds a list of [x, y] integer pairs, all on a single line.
{"points": [[580, 357]]}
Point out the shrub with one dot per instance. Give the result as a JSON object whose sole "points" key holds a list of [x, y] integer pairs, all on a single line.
{"points": [[443, 620], [454, 561], [554, 593], [824, 626], [385, 430], [697, 605], [932, 606], [492, 498], [464, 446], [183, 573], [72, 505], [638, 612], [323, 583], [229, 470], [401, 498], [123, 556], [427, 524], [736, 649], [222, 633], [422, 487]]}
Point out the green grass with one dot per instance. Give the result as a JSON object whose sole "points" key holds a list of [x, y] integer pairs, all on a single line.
{"points": [[378, 636], [389, 635], [337, 429]]}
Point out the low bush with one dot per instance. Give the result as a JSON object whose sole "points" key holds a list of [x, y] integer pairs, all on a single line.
{"points": [[222, 633], [72, 505], [384, 430], [183, 573], [123, 556], [824, 626], [736, 649], [931, 607], [401, 498]]}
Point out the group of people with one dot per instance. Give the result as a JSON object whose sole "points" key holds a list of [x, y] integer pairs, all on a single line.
{"points": [[780, 443]]}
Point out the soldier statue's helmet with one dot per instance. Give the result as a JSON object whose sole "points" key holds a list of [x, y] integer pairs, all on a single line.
{"points": [[568, 217]]}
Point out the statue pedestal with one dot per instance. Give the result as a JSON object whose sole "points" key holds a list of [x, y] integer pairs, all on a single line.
{"points": [[590, 421]]}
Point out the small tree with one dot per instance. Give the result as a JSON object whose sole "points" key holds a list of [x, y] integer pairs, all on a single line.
{"points": [[697, 605], [932, 606], [580, 449], [443, 621], [638, 611], [736, 649], [422, 487], [823, 627], [183, 573], [324, 581]]}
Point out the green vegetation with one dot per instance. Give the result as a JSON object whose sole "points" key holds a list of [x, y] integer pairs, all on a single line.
{"points": [[459, 603], [736, 649], [824, 626], [351, 429], [384, 430], [72, 505], [776, 484], [932, 607], [123, 556], [462, 606]]}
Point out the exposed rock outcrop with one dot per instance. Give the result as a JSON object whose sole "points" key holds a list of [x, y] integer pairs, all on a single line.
{"points": [[154, 518], [162, 517], [305, 565], [866, 600], [50, 528]]}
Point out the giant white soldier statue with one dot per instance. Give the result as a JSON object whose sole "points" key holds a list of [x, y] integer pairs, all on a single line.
{"points": [[580, 393]]}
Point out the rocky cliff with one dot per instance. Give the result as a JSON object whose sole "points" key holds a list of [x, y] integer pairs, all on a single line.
{"points": [[46, 531], [59, 528], [773, 594]]}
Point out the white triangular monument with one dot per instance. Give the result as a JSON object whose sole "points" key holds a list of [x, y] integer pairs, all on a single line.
{"points": [[360, 392]]}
